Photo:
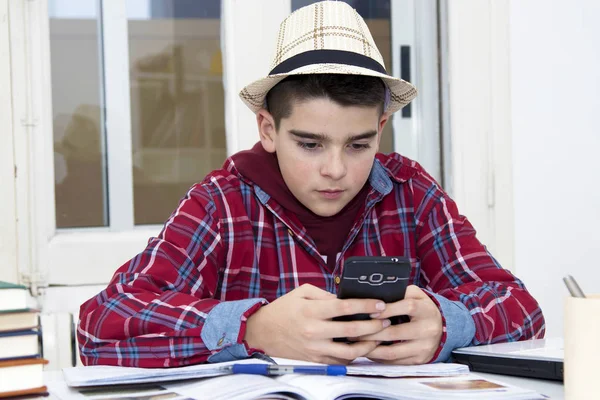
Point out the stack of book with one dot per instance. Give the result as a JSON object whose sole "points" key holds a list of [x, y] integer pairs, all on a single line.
{"points": [[21, 364]]}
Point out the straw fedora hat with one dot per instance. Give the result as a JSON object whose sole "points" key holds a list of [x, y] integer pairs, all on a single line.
{"points": [[328, 37]]}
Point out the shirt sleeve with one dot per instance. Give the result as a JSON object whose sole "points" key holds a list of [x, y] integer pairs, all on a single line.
{"points": [[159, 309], [480, 302]]}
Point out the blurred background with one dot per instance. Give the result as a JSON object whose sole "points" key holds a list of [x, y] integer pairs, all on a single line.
{"points": [[111, 110]]}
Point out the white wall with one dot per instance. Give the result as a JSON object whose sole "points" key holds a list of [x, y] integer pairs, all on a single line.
{"points": [[477, 138], [555, 85], [239, 41]]}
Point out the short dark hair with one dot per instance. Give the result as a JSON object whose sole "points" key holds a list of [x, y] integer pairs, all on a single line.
{"points": [[346, 90]]}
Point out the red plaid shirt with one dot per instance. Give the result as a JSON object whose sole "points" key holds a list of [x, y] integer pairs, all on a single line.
{"points": [[228, 242]]}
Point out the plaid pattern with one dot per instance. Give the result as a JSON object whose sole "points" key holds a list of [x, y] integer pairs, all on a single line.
{"points": [[326, 25], [228, 240]]}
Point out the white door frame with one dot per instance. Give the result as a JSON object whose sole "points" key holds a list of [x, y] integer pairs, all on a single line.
{"points": [[415, 30], [477, 83]]}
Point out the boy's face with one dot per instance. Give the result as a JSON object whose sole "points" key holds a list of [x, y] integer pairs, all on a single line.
{"points": [[325, 151]]}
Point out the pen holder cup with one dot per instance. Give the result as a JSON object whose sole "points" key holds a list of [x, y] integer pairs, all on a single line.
{"points": [[582, 347]]}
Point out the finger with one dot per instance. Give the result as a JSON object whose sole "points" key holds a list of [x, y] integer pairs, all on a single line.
{"points": [[351, 351], [331, 308], [397, 351], [311, 292], [406, 331], [412, 295], [346, 329], [415, 292], [412, 307]]}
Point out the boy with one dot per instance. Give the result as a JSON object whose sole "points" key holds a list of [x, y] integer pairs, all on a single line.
{"points": [[250, 260]]}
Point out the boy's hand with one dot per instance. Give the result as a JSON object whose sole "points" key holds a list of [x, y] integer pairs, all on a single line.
{"points": [[420, 337], [298, 325]]}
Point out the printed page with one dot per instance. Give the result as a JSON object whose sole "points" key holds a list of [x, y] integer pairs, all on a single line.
{"points": [[107, 375], [239, 387], [60, 390], [337, 387], [463, 387], [365, 367]]}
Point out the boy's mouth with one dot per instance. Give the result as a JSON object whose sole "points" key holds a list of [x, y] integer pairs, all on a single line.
{"points": [[331, 193]]}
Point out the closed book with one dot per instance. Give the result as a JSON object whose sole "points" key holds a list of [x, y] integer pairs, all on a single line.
{"points": [[24, 375], [19, 344], [18, 320], [12, 296], [28, 393]]}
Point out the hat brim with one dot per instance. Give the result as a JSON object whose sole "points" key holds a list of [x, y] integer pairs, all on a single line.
{"points": [[401, 91]]}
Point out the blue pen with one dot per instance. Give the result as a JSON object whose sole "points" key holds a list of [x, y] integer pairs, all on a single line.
{"points": [[270, 369]]}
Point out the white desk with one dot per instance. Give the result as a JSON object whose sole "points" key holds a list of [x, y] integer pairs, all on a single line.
{"points": [[553, 389]]}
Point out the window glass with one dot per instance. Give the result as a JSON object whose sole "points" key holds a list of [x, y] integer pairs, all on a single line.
{"points": [[79, 145], [177, 101]]}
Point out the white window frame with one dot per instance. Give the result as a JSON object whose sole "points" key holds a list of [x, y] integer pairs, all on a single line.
{"points": [[114, 40], [50, 256], [414, 23], [478, 130], [8, 222]]}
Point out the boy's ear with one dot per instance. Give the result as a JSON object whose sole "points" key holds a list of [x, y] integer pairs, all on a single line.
{"points": [[266, 129], [382, 121]]}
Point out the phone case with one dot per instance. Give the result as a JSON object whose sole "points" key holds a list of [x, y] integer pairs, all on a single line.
{"points": [[383, 278]]}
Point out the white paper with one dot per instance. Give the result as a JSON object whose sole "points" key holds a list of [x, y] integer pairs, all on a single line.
{"points": [[320, 387], [238, 387], [365, 367], [107, 375]]}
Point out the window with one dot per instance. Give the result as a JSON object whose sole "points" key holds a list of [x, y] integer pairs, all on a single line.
{"points": [[124, 159], [128, 136]]}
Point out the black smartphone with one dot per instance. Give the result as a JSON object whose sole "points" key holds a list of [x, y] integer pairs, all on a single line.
{"points": [[383, 278]]}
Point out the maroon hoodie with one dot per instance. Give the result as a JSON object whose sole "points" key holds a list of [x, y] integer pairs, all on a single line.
{"points": [[328, 233]]}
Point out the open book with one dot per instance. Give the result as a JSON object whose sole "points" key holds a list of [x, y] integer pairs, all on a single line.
{"points": [[106, 375], [311, 387], [371, 381], [302, 387]]}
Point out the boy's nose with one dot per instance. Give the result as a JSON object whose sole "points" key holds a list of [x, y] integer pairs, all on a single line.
{"points": [[334, 167]]}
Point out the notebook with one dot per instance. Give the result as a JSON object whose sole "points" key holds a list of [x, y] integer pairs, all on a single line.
{"points": [[304, 387], [539, 358], [101, 375], [312, 387]]}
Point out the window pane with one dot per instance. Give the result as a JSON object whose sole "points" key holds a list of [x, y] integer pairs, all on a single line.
{"points": [[376, 14], [177, 100], [79, 146]]}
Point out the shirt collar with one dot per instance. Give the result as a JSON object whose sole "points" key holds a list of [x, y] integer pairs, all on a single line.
{"points": [[379, 180]]}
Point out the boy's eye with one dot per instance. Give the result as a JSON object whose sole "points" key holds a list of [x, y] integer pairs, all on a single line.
{"points": [[359, 146], [308, 146]]}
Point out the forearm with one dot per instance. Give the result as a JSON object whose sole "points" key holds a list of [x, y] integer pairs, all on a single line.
{"points": [[502, 311], [457, 267], [494, 316], [139, 328]]}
